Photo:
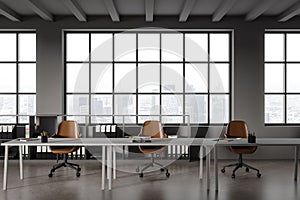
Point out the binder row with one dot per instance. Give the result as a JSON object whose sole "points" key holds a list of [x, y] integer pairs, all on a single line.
{"points": [[6, 131], [106, 128]]}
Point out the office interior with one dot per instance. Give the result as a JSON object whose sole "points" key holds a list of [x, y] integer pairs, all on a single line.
{"points": [[245, 22]]}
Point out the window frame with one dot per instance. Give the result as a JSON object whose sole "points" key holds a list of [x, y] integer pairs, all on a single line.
{"points": [[160, 62], [17, 94], [284, 63]]}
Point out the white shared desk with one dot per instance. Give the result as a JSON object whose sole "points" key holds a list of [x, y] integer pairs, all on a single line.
{"points": [[109, 153]]}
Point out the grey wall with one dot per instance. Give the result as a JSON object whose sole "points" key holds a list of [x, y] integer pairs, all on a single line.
{"points": [[248, 65], [50, 71]]}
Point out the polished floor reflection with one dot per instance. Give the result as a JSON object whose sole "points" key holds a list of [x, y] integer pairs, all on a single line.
{"points": [[276, 182]]}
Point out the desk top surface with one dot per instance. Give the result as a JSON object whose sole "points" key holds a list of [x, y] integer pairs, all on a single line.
{"points": [[260, 142], [154, 141], [109, 142]]}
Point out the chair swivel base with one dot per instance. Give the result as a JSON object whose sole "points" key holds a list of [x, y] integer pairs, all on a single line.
{"points": [[65, 164], [238, 165], [152, 164]]}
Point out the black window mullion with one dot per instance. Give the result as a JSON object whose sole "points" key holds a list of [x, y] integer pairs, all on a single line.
{"points": [[65, 73], [90, 79], [137, 79], [160, 77], [208, 78], [113, 77], [285, 78], [183, 82], [230, 77], [17, 74]]}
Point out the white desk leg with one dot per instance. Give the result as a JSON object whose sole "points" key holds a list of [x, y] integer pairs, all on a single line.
{"points": [[114, 163], [207, 167], [5, 168], [21, 162], [103, 168], [109, 165], [216, 168], [201, 162], [126, 152], [296, 162]]}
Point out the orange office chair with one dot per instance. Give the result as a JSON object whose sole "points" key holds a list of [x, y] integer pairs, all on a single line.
{"points": [[238, 129], [66, 129], [154, 129]]}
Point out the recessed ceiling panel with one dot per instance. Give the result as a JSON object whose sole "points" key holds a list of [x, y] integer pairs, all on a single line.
{"points": [[168, 7], [279, 7], [205, 7], [55, 7], [93, 7], [130, 7], [19, 7], [242, 7]]}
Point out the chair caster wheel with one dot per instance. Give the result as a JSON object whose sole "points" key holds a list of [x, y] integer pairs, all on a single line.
{"points": [[233, 176], [51, 173], [247, 169], [223, 170], [141, 175], [167, 174], [258, 175], [162, 169], [77, 174]]}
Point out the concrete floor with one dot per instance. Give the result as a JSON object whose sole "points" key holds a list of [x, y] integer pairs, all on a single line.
{"points": [[276, 182]]}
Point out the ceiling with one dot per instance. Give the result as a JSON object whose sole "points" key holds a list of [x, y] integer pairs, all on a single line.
{"points": [[282, 10]]}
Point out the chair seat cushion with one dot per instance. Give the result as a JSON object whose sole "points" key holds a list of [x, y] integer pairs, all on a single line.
{"points": [[242, 149], [151, 149], [63, 149]]}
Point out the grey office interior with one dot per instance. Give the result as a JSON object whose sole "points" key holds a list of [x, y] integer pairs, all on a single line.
{"points": [[262, 40]]}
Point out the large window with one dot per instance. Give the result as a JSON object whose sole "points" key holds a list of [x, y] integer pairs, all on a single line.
{"points": [[17, 76], [149, 73], [282, 83]]}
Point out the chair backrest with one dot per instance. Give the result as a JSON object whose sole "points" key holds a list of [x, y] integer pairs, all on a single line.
{"points": [[68, 129], [152, 128], [236, 128]]}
